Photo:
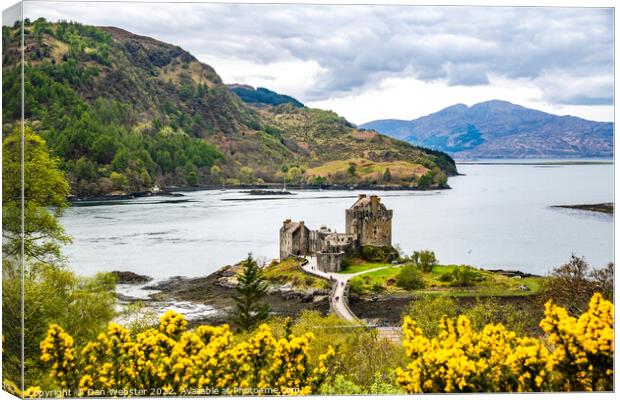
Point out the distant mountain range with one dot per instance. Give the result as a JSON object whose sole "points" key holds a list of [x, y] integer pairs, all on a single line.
{"points": [[499, 129]]}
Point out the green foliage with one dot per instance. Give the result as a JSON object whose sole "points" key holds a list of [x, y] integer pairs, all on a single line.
{"points": [[289, 272], [251, 288], [362, 359], [489, 311], [571, 285], [119, 181], [410, 277], [340, 385], [352, 170], [379, 253], [51, 295], [425, 260], [387, 175], [151, 112], [464, 276], [45, 192], [262, 95], [427, 311], [295, 174]]}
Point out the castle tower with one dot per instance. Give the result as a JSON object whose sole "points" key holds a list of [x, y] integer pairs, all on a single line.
{"points": [[294, 239], [370, 221]]}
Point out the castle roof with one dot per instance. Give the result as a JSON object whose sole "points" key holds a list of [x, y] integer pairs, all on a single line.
{"points": [[290, 226], [364, 200]]}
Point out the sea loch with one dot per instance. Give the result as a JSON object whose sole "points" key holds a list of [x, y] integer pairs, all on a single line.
{"points": [[495, 216]]}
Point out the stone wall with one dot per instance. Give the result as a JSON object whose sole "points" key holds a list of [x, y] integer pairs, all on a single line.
{"points": [[294, 239], [370, 221], [329, 262]]}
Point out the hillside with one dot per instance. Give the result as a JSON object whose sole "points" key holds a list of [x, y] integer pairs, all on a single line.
{"points": [[498, 129], [125, 112], [262, 95]]}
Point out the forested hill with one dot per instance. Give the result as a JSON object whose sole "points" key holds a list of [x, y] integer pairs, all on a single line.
{"points": [[125, 112], [262, 95]]}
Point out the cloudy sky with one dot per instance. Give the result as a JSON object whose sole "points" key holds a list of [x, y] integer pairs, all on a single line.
{"points": [[375, 62]]}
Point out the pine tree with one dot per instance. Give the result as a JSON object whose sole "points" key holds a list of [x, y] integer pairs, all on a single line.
{"points": [[250, 310]]}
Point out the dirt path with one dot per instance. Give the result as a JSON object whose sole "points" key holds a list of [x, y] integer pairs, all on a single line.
{"points": [[337, 297]]}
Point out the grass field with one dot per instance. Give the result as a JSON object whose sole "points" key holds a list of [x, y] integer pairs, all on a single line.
{"points": [[355, 268], [289, 272], [485, 284], [369, 170]]}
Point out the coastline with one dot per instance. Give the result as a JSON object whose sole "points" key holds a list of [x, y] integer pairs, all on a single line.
{"points": [[214, 293], [177, 191]]}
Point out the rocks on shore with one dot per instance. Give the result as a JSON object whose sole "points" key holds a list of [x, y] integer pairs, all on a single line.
{"points": [[513, 273], [127, 277]]}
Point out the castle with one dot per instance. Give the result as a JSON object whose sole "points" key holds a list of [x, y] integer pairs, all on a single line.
{"points": [[368, 223]]}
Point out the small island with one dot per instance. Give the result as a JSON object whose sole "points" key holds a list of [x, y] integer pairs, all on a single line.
{"points": [[606, 208]]}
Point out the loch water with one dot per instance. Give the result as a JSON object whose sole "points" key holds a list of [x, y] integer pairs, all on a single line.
{"points": [[496, 215]]}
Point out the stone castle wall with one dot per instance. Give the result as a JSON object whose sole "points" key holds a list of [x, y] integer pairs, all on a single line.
{"points": [[368, 222], [329, 262]]}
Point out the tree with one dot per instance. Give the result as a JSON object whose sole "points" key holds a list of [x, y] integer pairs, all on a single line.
{"points": [[295, 174], [48, 293], [410, 278], [572, 285], [250, 310], [427, 260], [425, 180], [352, 170], [45, 197], [119, 181], [387, 175]]}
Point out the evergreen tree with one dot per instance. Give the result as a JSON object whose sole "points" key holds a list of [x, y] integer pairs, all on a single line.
{"points": [[250, 310]]}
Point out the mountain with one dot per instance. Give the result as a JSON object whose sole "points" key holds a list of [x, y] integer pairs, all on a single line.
{"points": [[499, 129], [124, 113], [261, 95]]}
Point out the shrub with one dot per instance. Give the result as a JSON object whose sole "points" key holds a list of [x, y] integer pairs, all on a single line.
{"points": [[410, 278], [379, 253], [464, 276], [573, 284], [173, 360], [356, 285], [494, 359], [488, 310], [425, 259], [427, 311]]}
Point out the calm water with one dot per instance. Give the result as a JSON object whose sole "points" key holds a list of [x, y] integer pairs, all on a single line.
{"points": [[496, 216]]}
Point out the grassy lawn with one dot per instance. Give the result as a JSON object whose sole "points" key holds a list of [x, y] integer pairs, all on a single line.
{"points": [[355, 268], [484, 284], [289, 272]]}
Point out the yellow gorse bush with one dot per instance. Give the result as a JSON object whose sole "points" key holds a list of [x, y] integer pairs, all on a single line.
{"points": [[173, 360], [578, 355]]}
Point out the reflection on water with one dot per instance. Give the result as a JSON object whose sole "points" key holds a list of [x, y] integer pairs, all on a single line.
{"points": [[496, 216]]}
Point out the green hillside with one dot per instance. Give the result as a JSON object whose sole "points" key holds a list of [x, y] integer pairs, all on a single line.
{"points": [[126, 112], [262, 96]]}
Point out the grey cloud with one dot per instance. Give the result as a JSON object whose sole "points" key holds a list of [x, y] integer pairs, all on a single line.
{"points": [[357, 46]]}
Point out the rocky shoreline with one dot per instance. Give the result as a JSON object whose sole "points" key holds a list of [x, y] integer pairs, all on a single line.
{"points": [[217, 290], [267, 189]]}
